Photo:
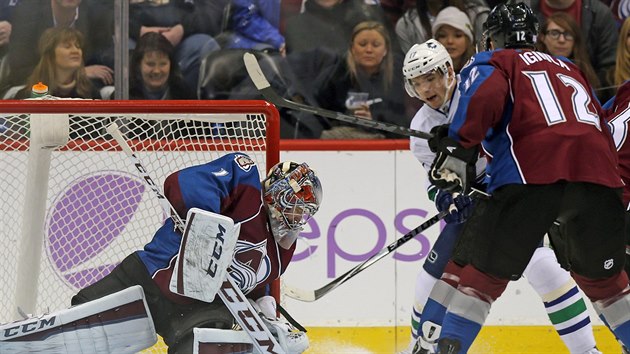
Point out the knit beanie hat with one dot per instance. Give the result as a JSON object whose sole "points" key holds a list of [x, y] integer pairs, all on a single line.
{"points": [[455, 18]]}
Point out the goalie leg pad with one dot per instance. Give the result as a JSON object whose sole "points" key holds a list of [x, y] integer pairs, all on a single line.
{"points": [[116, 323], [211, 341], [181, 320]]}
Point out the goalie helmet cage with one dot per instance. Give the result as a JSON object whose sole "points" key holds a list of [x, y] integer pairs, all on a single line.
{"points": [[73, 205]]}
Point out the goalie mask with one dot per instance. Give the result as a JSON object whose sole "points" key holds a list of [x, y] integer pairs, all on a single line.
{"points": [[292, 193]]}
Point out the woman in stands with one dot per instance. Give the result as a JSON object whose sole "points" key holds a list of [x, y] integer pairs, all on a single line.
{"points": [[61, 66], [154, 73], [621, 72], [368, 67], [560, 36], [453, 30]]}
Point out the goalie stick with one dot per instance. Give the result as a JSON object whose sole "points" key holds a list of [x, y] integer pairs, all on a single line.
{"points": [[312, 295], [230, 294], [263, 85]]}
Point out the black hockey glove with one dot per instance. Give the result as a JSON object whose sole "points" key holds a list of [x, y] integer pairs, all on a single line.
{"points": [[439, 132], [454, 166]]}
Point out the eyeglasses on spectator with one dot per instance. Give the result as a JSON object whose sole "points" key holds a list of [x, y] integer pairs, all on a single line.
{"points": [[555, 34]]}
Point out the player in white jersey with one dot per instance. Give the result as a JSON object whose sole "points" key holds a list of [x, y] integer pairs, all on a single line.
{"points": [[429, 76]]}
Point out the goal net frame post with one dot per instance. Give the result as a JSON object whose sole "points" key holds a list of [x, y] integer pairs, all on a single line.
{"points": [[46, 137]]}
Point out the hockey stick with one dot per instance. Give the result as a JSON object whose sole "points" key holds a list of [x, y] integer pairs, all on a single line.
{"points": [[230, 294], [262, 84], [312, 295]]}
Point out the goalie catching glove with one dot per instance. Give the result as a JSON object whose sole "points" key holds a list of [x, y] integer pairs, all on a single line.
{"points": [[292, 340], [453, 169]]}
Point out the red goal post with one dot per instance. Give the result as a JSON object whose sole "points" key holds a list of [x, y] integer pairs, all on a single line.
{"points": [[73, 205]]}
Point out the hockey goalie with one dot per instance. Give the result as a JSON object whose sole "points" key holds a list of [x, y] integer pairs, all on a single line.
{"points": [[237, 227]]}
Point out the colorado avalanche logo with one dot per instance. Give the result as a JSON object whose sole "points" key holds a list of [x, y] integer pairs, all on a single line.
{"points": [[244, 162], [251, 264]]}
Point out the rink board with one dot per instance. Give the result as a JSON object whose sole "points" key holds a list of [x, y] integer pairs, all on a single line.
{"points": [[374, 192]]}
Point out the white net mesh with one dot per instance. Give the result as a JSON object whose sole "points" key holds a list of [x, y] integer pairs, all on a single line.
{"points": [[73, 204]]}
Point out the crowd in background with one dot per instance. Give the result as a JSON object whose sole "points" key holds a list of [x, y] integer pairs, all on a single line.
{"points": [[319, 52]]}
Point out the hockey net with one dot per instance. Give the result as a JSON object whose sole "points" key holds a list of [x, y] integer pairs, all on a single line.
{"points": [[73, 205]]}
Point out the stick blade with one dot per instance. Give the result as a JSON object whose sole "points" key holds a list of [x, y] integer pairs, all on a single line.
{"points": [[254, 71], [298, 294]]}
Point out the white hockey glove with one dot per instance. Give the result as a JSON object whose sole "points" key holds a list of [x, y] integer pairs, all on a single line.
{"points": [[292, 340]]}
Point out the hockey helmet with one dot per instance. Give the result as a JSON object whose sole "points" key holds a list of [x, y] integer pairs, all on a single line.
{"points": [[422, 59], [510, 25], [292, 193]]}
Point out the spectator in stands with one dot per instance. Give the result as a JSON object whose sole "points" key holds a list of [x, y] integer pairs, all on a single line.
{"points": [[328, 24], [94, 19], [254, 24], [452, 28], [598, 27], [154, 73], [621, 71], [6, 8], [415, 25], [368, 67], [189, 25], [560, 36], [60, 66], [224, 77], [288, 9]]}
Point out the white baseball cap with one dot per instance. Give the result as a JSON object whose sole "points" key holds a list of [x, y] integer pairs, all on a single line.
{"points": [[455, 18]]}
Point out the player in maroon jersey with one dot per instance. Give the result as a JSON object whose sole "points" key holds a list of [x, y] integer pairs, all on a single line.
{"points": [[552, 157], [271, 214], [618, 114]]}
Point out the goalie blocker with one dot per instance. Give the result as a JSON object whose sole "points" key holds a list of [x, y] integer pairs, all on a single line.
{"points": [[206, 249]]}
